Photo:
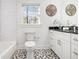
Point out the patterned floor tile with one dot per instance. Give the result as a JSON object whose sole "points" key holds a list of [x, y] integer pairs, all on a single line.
{"points": [[37, 54]]}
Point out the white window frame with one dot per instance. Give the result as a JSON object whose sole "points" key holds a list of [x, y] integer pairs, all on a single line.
{"points": [[36, 4]]}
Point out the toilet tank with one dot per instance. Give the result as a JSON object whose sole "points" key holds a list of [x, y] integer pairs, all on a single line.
{"points": [[30, 36]]}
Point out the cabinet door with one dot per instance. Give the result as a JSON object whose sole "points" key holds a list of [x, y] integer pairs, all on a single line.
{"points": [[59, 48], [66, 50], [74, 51], [53, 43], [74, 39], [62, 35]]}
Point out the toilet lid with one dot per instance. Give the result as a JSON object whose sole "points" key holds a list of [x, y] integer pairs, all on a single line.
{"points": [[30, 44]]}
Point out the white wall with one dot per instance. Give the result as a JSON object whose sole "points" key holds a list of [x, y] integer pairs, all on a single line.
{"points": [[8, 19], [0, 16], [73, 20]]}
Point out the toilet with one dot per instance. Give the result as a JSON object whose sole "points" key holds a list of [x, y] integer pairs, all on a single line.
{"points": [[30, 44], [30, 40]]}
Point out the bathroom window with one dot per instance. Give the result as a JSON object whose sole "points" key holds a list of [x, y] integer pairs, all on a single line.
{"points": [[31, 14]]}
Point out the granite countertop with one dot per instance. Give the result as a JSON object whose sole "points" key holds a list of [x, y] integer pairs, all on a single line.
{"points": [[60, 30]]}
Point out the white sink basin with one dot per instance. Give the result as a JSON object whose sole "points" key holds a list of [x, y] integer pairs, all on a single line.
{"points": [[30, 44]]}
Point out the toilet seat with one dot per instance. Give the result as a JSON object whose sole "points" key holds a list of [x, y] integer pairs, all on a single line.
{"points": [[30, 43]]}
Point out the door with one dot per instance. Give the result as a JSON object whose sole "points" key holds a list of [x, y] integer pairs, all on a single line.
{"points": [[53, 43], [59, 48], [66, 50], [74, 51]]}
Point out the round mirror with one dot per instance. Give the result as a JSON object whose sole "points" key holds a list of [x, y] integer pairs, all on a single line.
{"points": [[51, 10], [70, 10]]}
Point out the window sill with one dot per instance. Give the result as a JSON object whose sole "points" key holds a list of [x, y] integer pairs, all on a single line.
{"points": [[31, 25]]}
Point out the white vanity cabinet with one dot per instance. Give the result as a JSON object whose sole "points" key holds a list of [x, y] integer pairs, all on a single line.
{"points": [[65, 45], [60, 43]]}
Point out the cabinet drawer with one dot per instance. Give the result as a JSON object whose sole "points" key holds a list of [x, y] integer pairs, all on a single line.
{"points": [[74, 51], [62, 35], [74, 39], [59, 48]]}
